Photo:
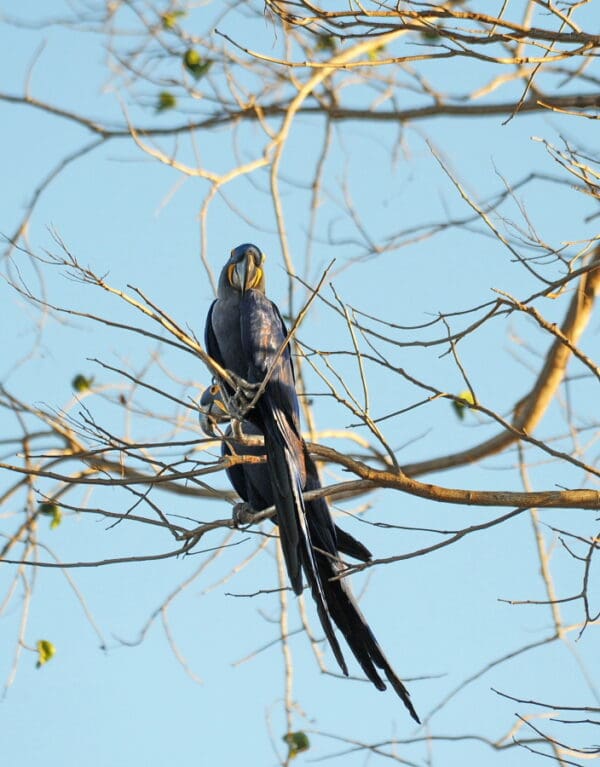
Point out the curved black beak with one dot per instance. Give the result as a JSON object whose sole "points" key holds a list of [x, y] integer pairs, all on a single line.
{"points": [[245, 270]]}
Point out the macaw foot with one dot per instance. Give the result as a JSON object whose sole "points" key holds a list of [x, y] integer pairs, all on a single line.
{"points": [[243, 514], [239, 402]]}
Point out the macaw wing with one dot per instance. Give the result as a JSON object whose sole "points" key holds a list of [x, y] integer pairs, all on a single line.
{"points": [[210, 339], [263, 332], [250, 481]]}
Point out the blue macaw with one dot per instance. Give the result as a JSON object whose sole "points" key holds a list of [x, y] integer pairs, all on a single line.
{"points": [[251, 481], [245, 334]]}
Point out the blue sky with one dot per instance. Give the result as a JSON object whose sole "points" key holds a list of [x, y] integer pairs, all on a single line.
{"points": [[438, 616]]}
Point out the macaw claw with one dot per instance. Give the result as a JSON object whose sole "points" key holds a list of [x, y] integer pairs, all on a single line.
{"points": [[243, 514]]}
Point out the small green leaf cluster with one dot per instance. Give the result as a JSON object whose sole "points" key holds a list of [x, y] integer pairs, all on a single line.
{"points": [[195, 64], [326, 43], [52, 510], [169, 19], [45, 650], [297, 743], [465, 400], [165, 101], [81, 383]]}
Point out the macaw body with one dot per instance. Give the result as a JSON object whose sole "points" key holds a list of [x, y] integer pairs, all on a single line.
{"points": [[252, 483], [245, 333]]}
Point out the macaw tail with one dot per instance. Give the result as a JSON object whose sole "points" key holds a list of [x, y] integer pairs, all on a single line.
{"points": [[351, 622], [347, 544], [341, 604], [285, 465], [330, 537]]}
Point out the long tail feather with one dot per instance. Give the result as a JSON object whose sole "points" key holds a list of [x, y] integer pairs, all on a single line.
{"points": [[282, 479], [287, 485], [342, 605], [351, 547], [330, 537], [351, 622], [308, 539]]}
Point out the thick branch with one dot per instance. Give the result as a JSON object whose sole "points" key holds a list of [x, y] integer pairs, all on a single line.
{"points": [[531, 409], [371, 478]]}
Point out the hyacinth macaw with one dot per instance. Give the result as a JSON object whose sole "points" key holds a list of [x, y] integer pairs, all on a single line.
{"points": [[245, 334]]}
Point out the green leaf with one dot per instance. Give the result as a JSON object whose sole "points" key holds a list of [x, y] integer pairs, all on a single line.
{"points": [[297, 743], [375, 53], [195, 64], [326, 43], [430, 33], [169, 19], [465, 401], [165, 101], [46, 651], [48, 508], [51, 510], [81, 383]]}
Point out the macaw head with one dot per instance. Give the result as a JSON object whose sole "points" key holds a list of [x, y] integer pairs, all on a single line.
{"points": [[244, 269], [212, 410]]}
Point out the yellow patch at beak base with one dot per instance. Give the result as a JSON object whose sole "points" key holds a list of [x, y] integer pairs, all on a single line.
{"points": [[256, 279], [252, 283]]}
